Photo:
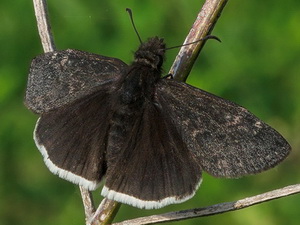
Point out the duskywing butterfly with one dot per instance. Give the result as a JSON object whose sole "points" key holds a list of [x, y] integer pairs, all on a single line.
{"points": [[150, 137]]}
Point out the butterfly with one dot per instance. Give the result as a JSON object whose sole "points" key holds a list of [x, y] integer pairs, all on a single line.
{"points": [[147, 136]]}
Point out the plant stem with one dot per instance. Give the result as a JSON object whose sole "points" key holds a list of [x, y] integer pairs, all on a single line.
{"points": [[202, 27]]}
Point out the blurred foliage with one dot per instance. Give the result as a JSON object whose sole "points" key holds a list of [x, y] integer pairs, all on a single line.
{"points": [[256, 65]]}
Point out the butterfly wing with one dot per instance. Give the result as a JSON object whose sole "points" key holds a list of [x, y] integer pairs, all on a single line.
{"points": [[72, 139], [226, 138], [71, 90], [154, 167], [61, 77]]}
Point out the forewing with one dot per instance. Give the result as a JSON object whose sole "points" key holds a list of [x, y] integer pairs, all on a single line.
{"points": [[72, 139], [228, 140], [155, 167], [61, 77]]}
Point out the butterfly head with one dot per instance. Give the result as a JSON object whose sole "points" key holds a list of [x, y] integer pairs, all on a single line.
{"points": [[151, 53]]}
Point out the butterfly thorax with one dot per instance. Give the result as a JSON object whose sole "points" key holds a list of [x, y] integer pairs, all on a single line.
{"points": [[138, 83]]}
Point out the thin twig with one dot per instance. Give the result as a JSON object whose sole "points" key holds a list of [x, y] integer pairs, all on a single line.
{"points": [[41, 13], [105, 213], [214, 209], [202, 27], [88, 203]]}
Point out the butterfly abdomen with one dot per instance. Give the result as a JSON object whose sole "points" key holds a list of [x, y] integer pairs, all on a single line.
{"points": [[127, 104]]}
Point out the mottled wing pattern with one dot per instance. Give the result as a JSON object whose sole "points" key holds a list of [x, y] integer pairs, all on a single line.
{"points": [[227, 139], [61, 77], [154, 168]]}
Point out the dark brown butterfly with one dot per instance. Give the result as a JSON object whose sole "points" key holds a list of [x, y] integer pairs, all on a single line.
{"points": [[150, 137]]}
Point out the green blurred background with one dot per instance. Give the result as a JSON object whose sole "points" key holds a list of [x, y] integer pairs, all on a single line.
{"points": [[257, 65]]}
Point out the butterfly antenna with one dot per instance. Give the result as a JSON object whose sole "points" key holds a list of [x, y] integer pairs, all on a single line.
{"points": [[202, 39], [131, 18]]}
